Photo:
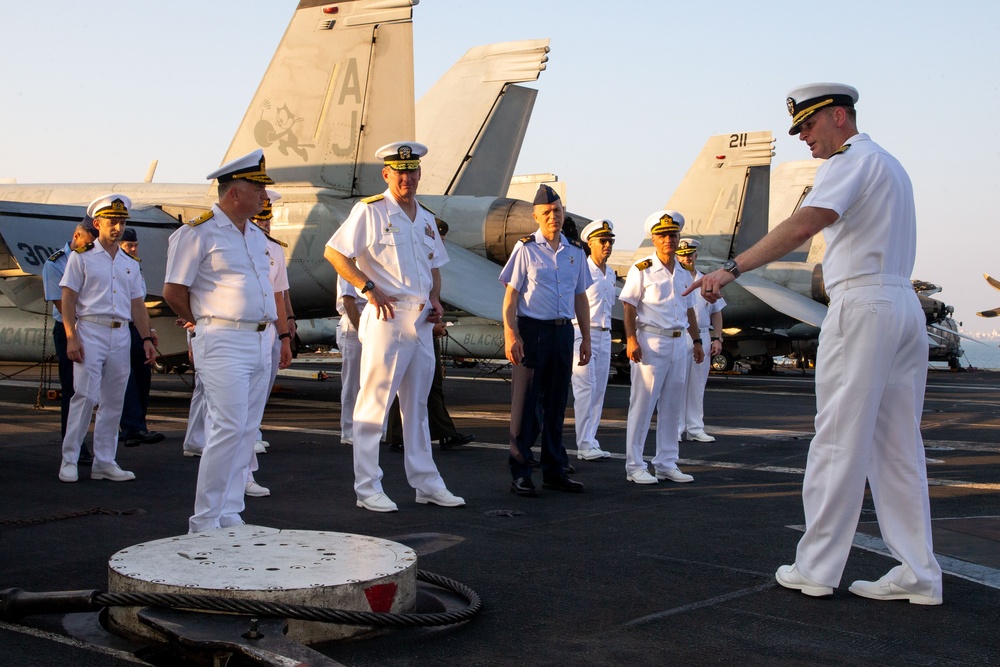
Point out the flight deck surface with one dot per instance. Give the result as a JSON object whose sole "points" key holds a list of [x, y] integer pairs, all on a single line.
{"points": [[621, 574]]}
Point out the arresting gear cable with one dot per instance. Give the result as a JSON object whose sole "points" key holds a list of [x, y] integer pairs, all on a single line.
{"points": [[16, 603]]}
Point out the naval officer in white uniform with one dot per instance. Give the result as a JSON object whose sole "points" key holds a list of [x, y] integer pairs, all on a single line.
{"points": [[398, 251], [590, 382], [871, 370], [657, 319], [710, 327], [217, 278], [102, 291]]}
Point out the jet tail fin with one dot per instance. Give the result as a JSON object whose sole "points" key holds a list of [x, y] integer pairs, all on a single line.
{"points": [[339, 86], [725, 189], [474, 119]]}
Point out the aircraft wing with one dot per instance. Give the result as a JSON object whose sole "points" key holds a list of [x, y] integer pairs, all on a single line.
{"points": [[474, 120], [470, 282], [994, 283], [32, 232], [784, 300]]}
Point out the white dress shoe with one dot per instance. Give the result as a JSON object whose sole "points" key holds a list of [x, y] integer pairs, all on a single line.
{"points": [[378, 503], [259, 447], [674, 475], [112, 472], [641, 477], [256, 490], [789, 577], [192, 452], [700, 436], [347, 441], [443, 497], [590, 454], [67, 472], [883, 589]]}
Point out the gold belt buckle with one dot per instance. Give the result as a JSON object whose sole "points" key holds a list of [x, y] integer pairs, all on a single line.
{"points": [[676, 334], [261, 326], [115, 325]]}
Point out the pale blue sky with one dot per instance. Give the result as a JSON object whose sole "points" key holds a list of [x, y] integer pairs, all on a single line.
{"points": [[93, 91]]}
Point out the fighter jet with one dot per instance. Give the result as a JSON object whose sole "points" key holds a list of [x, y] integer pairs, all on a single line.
{"points": [[730, 198], [336, 89]]}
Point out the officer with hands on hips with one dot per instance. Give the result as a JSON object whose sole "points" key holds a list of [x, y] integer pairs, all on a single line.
{"points": [[398, 252]]}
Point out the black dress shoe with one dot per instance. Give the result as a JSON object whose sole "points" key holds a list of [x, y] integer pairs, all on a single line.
{"points": [[456, 440], [396, 448], [523, 486], [563, 484], [533, 462], [133, 440], [151, 437], [569, 469]]}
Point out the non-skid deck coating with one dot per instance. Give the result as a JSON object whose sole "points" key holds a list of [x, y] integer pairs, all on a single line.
{"points": [[619, 575]]}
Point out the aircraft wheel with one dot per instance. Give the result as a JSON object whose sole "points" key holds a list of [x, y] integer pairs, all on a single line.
{"points": [[761, 365], [723, 362]]}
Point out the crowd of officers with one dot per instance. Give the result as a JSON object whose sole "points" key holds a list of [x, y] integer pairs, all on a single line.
{"points": [[224, 281]]}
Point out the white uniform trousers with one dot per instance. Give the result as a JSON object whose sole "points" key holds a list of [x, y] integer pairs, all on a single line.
{"points": [[350, 376], [275, 362], [397, 357], [694, 403], [234, 367], [194, 437], [658, 382], [100, 380], [871, 372], [590, 383]]}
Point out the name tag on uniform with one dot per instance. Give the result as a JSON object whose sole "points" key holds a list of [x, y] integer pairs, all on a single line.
{"points": [[391, 230]]}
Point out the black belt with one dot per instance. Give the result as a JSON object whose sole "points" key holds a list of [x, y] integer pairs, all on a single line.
{"points": [[562, 321]]}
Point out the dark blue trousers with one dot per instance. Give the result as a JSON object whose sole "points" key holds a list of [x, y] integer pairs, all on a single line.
{"points": [[548, 352], [137, 390]]}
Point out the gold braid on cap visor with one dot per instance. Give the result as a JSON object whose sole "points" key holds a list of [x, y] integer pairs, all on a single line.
{"points": [[403, 165], [808, 111]]}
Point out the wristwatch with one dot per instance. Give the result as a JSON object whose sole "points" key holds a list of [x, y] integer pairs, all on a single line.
{"points": [[731, 267], [697, 341], [369, 286]]}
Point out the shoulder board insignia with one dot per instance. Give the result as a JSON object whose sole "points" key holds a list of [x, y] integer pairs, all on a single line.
{"points": [[644, 264], [528, 239], [426, 209], [204, 217], [132, 256], [271, 238], [842, 149], [56, 255], [373, 199], [85, 248]]}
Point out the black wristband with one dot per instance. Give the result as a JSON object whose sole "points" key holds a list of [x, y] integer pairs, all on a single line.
{"points": [[697, 341], [284, 335], [150, 339], [291, 317], [716, 338]]}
